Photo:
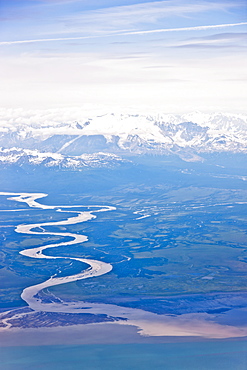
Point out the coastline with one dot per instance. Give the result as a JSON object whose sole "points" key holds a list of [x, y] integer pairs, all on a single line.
{"points": [[96, 333]]}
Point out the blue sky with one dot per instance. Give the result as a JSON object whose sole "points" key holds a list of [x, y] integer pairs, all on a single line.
{"points": [[170, 55]]}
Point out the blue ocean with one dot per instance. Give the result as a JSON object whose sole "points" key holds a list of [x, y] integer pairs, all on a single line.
{"points": [[208, 355]]}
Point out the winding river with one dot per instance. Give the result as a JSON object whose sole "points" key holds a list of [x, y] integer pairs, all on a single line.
{"points": [[96, 268], [148, 323]]}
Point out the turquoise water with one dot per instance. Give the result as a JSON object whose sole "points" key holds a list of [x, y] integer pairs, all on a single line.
{"points": [[212, 355]]}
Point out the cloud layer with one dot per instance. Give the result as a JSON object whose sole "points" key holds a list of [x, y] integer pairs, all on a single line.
{"points": [[196, 28], [157, 53]]}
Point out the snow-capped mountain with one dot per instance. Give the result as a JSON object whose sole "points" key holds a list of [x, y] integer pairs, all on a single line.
{"points": [[121, 134], [34, 157]]}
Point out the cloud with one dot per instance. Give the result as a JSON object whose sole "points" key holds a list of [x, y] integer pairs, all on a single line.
{"points": [[59, 18], [225, 36], [47, 40], [222, 40], [195, 28], [44, 69], [144, 13], [163, 30], [207, 46]]}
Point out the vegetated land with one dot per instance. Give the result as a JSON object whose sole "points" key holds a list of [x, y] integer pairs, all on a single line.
{"points": [[178, 228]]}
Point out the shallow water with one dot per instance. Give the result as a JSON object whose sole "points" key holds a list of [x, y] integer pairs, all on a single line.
{"points": [[208, 355]]}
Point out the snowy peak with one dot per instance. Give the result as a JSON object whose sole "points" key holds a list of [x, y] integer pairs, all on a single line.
{"points": [[73, 133], [34, 157]]}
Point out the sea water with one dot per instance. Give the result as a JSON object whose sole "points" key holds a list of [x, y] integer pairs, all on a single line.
{"points": [[207, 355]]}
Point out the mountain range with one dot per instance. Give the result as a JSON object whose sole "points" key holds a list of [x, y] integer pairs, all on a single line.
{"points": [[103, 139]]}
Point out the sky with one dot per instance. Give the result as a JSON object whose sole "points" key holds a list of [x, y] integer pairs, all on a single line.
{"points": [[171, 56]]}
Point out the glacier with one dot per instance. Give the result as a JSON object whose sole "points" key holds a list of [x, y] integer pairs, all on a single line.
{"points": [[78, 138]]}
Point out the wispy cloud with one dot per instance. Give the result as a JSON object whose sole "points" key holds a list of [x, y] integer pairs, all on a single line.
{"points": [[162, 30], [59, 18], [63, 52], [196, 28], [222, 40], [141, 17], [48, 40], [149, 13], [224, 36]]}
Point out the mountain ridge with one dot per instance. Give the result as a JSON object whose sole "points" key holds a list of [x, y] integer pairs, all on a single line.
{"points": [[122, 135], [54, 160]]}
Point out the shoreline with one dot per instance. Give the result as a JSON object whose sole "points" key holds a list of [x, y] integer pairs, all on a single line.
{"points": [[96, 333]]}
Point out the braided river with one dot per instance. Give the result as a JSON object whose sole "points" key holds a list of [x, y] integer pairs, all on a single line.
{"points": [[148, 323]]}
